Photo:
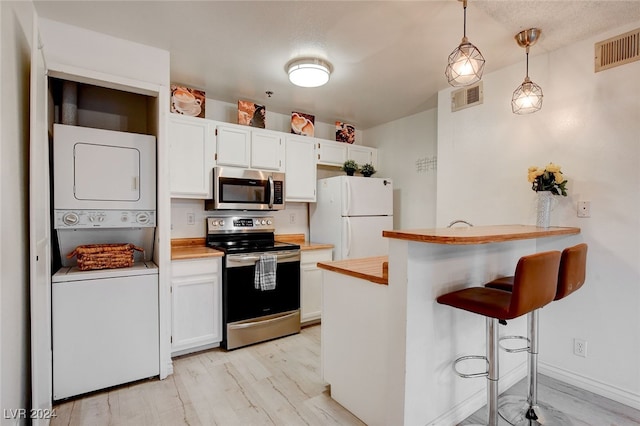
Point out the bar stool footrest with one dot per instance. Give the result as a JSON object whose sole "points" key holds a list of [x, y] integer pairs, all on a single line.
{"points": [[514, 350], [471, 375]]}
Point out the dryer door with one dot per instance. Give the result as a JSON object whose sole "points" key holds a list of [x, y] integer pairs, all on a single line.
{"points": [[106, 173]]}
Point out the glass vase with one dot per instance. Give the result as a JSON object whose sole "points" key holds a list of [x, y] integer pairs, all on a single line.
{"points": [[543, 217]]}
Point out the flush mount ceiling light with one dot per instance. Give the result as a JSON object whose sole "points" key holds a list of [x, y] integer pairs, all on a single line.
{"points": [[466, 63], [527, 98], [309, 72]]}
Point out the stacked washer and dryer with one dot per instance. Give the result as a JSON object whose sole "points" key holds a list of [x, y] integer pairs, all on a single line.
{"points": [[105, 326]]}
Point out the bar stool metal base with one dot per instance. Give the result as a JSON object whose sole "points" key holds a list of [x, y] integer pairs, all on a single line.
{"points": [[517, 411]]}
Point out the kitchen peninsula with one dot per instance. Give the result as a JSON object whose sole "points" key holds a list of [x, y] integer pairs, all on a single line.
{"points": [[387, 349]]}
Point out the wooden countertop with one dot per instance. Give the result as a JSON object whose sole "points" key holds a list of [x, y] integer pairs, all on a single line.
{"points": [[192, 248], [374, 269], [479, 234], [300, 240]]}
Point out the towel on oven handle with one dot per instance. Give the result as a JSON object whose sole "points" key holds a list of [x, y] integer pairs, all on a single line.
{"points": [[265, 275]]}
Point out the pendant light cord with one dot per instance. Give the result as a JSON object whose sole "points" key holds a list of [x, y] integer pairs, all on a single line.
{"points": [[527, 62], [464, 30]]}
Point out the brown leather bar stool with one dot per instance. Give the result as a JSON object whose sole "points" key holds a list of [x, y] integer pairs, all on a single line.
{"points": [[529, 411], [534, 285]]}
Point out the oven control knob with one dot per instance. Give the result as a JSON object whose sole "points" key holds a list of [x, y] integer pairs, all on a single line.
{"points": [[70, 219], [264, 222], [221, 222], [269, 222], [142, 218]]}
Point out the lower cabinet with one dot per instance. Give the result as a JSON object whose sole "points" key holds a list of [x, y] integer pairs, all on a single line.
{"points": [[196, 293], [311, 283]]}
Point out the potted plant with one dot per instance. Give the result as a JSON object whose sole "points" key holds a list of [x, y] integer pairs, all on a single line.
{"points": [[350, 167], [367, 170]]}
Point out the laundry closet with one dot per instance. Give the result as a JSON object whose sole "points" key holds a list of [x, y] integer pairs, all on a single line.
{"points": [[104, 291]]}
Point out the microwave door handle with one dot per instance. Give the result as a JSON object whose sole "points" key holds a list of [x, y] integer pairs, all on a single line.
{"points": [[271, 192]]}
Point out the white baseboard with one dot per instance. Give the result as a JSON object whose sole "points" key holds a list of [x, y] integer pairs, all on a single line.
{"points": [[599, 388], [472, 404]]}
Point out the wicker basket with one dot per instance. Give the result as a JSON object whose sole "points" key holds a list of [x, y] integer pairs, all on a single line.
{"points": [[104, 256]]}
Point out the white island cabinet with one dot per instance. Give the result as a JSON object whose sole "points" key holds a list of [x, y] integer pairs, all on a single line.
{"points": [[300, 172], [311, 283], [191, 156], [196, 292]]}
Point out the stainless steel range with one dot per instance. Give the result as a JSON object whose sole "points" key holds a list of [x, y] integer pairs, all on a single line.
{"points": [[251, 311]]}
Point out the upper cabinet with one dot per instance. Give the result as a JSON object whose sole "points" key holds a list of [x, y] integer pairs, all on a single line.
{"points": [[363, 155], [241, 146], [300, 176], [331, 153], [336, 153], [191, 156], [267, 150], [233, 146]]}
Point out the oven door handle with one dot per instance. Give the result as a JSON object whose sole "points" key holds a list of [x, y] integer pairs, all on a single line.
{"points": [[263, 322], [271, 192], [256, 258]]}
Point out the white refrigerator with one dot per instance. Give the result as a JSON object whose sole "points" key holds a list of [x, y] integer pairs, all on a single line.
{"points": [[351, 212]]}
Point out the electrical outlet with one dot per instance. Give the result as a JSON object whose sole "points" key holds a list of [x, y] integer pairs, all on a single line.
{"points": [[584, 208], [580, 347], [292, 218], [191, 218]]}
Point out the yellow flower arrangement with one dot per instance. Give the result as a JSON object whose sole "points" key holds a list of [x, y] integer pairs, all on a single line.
{"points": [[549, 178]]}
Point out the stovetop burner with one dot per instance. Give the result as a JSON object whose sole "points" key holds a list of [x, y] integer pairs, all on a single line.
{"points": [[244, 235]]}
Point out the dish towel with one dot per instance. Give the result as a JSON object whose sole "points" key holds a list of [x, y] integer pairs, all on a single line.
{"points": [[265, 275]]}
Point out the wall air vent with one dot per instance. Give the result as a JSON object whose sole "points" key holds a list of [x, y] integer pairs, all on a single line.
{"points": [[467, 97], [618, 50]]}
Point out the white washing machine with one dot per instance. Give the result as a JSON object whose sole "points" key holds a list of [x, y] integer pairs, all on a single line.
{"points": [[105, 328]]}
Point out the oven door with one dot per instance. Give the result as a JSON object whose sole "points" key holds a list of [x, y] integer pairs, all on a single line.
{"points": [[241, 189], [253, 315]]}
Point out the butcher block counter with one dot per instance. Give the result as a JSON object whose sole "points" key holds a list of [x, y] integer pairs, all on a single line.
{"points": [[374, 269], [479, 234], [192, 248], [387, 350], [301, 241]]}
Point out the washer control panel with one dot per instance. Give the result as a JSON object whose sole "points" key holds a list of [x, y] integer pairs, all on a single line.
{"points": [[83, 219]]}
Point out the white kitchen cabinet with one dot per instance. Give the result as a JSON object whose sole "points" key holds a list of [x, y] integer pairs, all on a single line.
{"points": [[311, 283], [191, 156], [300, 171], [233, 146], [267, 150], [331, 153], [196, 291], [363, 155]]}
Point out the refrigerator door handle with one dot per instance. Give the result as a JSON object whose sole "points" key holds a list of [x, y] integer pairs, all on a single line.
{"points": [[348, 251], [347, 190]]}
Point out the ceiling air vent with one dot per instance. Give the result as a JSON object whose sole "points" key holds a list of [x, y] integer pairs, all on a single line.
{"points": [[466, 97], [618, 50]]}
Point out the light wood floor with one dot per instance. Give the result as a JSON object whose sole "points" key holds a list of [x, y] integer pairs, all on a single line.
{"points": [[273, 383]]}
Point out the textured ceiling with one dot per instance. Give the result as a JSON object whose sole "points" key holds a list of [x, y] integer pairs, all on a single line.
{"points": [[388, 57]]}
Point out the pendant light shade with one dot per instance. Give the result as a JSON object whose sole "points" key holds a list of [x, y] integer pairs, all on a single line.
{"points": [[309, 72], [527, 98], [466, 63]]}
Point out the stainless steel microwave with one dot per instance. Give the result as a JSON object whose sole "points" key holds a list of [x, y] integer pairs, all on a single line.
{"points": [[242, 189]]}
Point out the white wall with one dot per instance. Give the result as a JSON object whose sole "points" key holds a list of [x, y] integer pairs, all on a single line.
{"points": [[408, 155], [590, 125], [16, 21]]}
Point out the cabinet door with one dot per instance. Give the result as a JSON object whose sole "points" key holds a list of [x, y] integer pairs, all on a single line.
{"points": [[196, 304], [311, 284], [191, 156], [362, 155], [300, 175], [233, 145], [332, 153], [267, 150]]}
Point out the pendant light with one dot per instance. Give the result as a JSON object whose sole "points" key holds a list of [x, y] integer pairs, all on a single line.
{"points": [[466, 63], [527, 98]]}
